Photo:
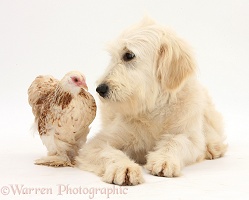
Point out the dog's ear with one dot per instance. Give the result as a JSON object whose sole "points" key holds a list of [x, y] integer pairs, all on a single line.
{"points": [[174, 63]]}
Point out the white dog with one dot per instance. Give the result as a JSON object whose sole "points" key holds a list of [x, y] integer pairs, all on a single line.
{"points": [[154, 111]]}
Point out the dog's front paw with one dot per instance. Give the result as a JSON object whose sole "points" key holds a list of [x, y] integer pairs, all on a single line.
{"points": [[123, 174], [163, 166]]}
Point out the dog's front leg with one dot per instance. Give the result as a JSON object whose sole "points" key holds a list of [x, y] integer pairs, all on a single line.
{"points": [[113, 165], [174, 152], [119, 169]]}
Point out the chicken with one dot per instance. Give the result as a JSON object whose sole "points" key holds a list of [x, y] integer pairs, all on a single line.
{"points": [[63, 111]]}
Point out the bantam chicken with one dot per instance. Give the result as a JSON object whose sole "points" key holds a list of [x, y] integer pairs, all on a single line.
{"points": [[63, 111]]}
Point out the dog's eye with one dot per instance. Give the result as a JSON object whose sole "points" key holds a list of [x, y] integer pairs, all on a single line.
{"points": [[128, 56]]}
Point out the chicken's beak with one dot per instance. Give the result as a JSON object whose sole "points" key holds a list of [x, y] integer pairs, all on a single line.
{"points": [[84, 85]]}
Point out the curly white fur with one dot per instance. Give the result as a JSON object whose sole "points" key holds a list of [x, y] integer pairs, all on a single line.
{"points": [[155, 112]]}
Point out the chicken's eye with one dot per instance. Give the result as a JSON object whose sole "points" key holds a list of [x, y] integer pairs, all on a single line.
{"points": [[128, 56], [76, 80]]}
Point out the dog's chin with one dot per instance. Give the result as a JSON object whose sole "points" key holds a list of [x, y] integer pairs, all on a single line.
{"points": [[112, 99], [129, 105]]}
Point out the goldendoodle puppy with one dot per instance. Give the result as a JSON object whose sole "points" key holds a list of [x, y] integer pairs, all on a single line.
{"points": [[154, 111]]}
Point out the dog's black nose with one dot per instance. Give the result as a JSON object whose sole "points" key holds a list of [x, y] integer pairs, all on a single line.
{"points": [[102, 89]]}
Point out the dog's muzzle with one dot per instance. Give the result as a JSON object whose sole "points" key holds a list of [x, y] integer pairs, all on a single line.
{"points": [[103, 90]]}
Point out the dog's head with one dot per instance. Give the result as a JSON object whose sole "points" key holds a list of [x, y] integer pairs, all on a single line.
{"points": [[146, 61]]}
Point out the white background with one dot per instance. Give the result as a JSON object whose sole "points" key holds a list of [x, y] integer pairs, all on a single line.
{"points": [[54, 37]]}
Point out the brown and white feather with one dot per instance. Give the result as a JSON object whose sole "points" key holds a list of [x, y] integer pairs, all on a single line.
{"points": [[62, 118]]}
